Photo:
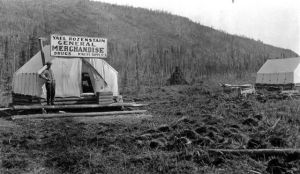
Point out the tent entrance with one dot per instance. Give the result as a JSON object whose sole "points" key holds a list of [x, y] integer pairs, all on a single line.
{"points": [[86, 83]]}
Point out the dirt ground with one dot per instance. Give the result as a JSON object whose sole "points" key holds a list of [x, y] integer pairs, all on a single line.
{"points": [[186, 121], [116, 119], [7, 125]]}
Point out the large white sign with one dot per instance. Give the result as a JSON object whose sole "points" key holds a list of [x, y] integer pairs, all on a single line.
{"points": [[78, 46]]}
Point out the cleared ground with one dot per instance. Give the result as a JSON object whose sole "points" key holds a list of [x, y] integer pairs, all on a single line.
{"points": [[187, 121]]}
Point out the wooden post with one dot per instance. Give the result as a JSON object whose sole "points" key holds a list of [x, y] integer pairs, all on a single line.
{"points": [[41, 49]]}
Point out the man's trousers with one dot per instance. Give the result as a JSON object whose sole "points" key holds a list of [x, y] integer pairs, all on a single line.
{"points": [[50, 87]]}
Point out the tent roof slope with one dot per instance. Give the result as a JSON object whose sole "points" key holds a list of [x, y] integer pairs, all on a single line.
{"points": [[280, 65], [35, 63]]}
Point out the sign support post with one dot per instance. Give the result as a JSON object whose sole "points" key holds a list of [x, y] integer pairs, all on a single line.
{"points": [[41, 49]]}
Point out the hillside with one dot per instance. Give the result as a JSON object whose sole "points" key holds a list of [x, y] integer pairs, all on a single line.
{"points": [[144, 45]]}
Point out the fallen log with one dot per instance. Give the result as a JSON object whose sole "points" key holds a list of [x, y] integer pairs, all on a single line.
{"points": [[129, 118], [290, 92], [72, 99], [5, 109], [5, 112], [128, 104], [75, 106], [246, 86], [71, 102], [65, 115], [295, 153]]}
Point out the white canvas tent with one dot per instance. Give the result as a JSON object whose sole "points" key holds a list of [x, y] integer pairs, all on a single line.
{"points": [[68, 75], [279, 72]]}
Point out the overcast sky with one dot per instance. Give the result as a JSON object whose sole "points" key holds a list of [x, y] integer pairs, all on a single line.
{"points": [[275, 22]]}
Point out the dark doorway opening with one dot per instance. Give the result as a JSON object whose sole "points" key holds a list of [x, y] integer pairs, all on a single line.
{"points": [[86, 82]]}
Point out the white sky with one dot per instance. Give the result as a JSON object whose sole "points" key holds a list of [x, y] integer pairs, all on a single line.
{"points": [[275, 22]]}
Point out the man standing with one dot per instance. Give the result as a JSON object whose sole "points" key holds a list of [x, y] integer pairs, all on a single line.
{"points": [[47, 75]]}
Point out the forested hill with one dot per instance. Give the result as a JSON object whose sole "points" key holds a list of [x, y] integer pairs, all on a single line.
{"points": [[144, 45]]}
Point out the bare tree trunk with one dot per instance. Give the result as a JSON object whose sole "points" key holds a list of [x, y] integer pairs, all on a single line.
{"points": [[137, 57]]}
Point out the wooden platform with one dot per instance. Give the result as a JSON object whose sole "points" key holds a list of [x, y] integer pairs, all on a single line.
{"points": [[77, 108], [103, 98]]}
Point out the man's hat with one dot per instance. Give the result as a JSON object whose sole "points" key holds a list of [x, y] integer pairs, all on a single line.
{"points": [[49, 63]]}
